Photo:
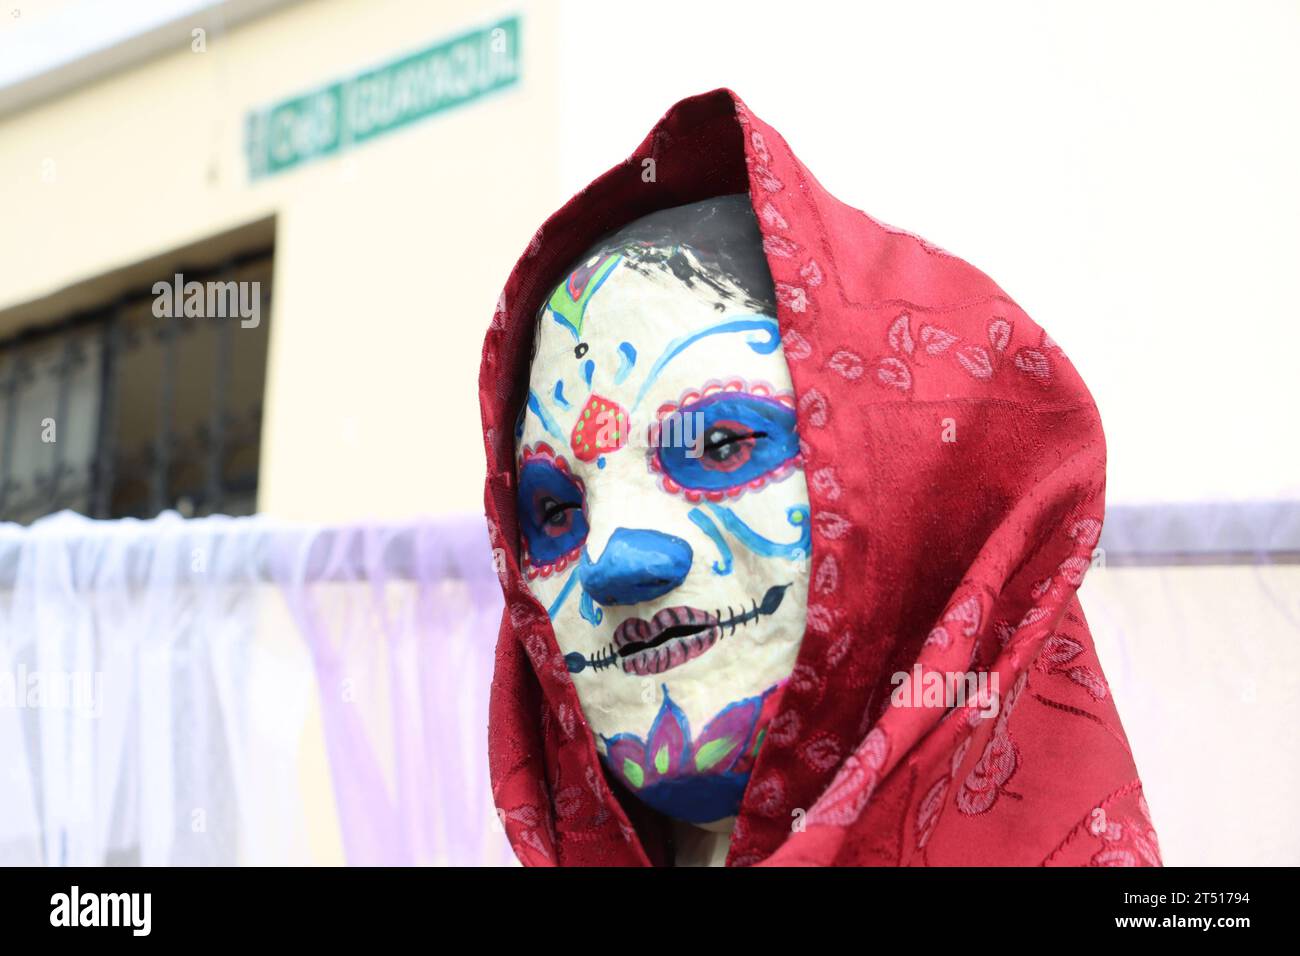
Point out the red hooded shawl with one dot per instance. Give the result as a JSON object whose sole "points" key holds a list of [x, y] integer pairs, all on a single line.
{"points": [[955, 465]]}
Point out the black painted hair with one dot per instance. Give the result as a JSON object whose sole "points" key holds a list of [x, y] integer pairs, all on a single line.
{"points": [[722, 233]]}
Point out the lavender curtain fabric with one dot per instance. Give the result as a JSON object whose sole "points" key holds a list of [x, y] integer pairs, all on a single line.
{"points": [[401, 623], [157, 681]]}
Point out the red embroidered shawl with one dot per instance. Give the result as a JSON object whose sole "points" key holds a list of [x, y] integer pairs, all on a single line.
{"points": [[955, 555]]}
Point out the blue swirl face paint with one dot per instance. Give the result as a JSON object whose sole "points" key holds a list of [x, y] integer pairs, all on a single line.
{"points": [[690, 608], [537, 408], [702, 521], [590, 613], [739, 323], [563, 595], [797, 515], [626, 362]]}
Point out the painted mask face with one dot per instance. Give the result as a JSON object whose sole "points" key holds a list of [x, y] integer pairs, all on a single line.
{"points": [[662, 504]]}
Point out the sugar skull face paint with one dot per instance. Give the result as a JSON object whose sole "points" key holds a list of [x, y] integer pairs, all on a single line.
{"points": [[662, 503]]}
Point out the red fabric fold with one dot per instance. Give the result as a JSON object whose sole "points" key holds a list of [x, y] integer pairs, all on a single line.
{"points": [[956, 468]]}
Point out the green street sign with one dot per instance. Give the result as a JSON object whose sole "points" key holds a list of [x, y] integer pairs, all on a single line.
{"points": [[380, 100]]}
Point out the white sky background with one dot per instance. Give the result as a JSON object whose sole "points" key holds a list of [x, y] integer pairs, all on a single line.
{"points": [[1128, 172], [39, 35]]}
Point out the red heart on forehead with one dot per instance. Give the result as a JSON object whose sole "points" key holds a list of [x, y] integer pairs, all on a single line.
{"points": [[602, 427]]}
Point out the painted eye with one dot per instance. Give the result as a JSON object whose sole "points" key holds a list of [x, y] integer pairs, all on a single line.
{"points": [[720, 444], [551, 516], [727, 446], [556, 517]]}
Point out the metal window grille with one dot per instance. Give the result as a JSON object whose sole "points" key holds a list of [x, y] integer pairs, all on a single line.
{"points": [[116, 412]]}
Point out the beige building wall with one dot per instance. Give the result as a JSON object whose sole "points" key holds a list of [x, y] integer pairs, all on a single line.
{"points": [[389, 257]]}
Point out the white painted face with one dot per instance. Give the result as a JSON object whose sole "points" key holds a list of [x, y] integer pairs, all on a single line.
{"points": [[664, 515]]}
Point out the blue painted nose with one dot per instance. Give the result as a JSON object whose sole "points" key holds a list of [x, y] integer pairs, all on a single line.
{"points": [[636, 566]]}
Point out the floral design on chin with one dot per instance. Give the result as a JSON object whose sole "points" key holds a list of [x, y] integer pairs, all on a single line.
{"points": [[700, 780], [756, 425]]}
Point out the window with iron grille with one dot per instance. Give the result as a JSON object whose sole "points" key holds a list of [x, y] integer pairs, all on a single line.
{"points": [[120, 412]]}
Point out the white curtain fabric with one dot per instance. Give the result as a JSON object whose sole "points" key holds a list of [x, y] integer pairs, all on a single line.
{"points": [[129, 682], [234, 690], [1195, 609], [1204, 665], [159, 698]]}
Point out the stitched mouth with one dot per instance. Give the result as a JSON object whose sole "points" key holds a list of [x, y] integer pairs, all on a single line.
{"points": [[631, 636], [672, 636]]}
